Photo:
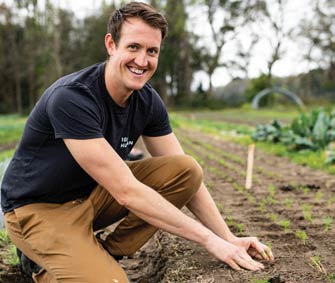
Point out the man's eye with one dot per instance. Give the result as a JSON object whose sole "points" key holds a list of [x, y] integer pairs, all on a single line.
{"points": [[152, 51], [132, 47]]}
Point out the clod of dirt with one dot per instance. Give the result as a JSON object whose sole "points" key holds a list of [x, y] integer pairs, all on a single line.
{"points": [[290, 188], [287, 188], [312, 187], [276, 279]]}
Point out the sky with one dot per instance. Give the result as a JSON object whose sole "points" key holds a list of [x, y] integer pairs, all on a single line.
{"points": [[291, 64]]}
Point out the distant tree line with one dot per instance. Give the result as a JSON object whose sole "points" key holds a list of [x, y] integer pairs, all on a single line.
{"points": [[40, 44]]}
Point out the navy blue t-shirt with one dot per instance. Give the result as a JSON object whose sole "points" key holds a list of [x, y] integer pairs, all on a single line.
{"points": [[76, 106]]}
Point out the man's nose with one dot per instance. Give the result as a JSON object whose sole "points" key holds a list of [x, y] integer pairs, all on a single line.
{"points": [[141, 59]]}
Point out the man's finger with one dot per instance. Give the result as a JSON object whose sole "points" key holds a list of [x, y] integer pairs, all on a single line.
{"points": [[265, 255], [247, 262], [269, 253], [233, 265], [263, 250]]}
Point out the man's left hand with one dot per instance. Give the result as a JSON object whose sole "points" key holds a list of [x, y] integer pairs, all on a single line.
{"points": [[253, 247]]}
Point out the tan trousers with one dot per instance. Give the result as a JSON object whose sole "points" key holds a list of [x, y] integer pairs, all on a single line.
{"points": [[60, 238]]}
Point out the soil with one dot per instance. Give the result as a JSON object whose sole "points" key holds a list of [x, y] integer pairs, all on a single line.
{"points": [[280, 191]]}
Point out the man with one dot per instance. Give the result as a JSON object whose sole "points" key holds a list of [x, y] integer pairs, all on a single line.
{"points": [[68, 179]]}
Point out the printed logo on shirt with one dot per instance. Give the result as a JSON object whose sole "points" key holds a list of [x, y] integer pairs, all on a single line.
{"points": [[125, 142]]}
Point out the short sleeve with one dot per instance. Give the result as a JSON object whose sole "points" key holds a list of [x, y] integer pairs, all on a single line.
{"points": [[74, 113], [159, 124]]}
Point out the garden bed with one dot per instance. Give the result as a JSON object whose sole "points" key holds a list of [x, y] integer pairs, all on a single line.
{"points": [[290, 207]]}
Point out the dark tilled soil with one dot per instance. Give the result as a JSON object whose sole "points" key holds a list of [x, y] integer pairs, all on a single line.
{"points": [[169, 259]]}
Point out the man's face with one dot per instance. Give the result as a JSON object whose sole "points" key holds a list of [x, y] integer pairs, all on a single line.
{"points": [[134, 60]]}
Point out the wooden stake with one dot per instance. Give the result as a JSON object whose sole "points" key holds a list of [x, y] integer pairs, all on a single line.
{"points": [[251, 150]]}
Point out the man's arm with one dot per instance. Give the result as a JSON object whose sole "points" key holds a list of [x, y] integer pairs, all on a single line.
{"points": [[103, 164], [202, 204]]}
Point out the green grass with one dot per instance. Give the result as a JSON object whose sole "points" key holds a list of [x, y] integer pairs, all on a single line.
{"points": [[4, 155], [246, 113], [4, 238], [257, 280], [9, 254], [11, 128], [209, 126]]}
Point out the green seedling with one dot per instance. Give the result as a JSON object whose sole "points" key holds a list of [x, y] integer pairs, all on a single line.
{"points": [[240, 228], [210, 156], [319, 196], [285, 224], [331, 201], [230, 221], [219, 205], [331, 277], [271, 190], [306, 211], [273, 217], [306, 190], [301, 235], [270, 200], [328, 221], [316, 264], [210, 185], [288, 202], [270, 174], [261, 206], [251, 198]]}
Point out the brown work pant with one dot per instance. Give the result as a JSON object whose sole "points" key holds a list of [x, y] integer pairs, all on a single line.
{"points": [[60, 238]]}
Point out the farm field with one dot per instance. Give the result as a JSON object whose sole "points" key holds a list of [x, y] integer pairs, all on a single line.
{"points": [[290, 207]]}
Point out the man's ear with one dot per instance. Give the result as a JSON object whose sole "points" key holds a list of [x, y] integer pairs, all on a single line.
{"points": [[109, 44]]}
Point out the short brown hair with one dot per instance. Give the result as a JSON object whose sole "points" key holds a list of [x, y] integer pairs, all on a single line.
{"points": [[136, 10]]}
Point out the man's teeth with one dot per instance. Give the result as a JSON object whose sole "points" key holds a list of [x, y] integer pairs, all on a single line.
{"points": [[136, 71]]}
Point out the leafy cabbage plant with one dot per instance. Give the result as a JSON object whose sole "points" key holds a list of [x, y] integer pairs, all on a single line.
{"points": [[310, 131]]}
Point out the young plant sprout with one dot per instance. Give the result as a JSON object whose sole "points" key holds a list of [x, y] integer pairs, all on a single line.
{"points": [[306, 190], [240, 228], [319, 196], [273, 217], [271, 190], [301, 235], [285, 224], [331, 201], [306, 211], [219, 205], [230, 221], [288, 202], [261, 206], [316, 264], [328, 221]]}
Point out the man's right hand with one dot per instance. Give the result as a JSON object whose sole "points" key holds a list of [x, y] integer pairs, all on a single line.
{"points": [[236, 257]]}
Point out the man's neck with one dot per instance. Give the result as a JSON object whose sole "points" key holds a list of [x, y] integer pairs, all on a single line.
{"points": [[119, 95]]}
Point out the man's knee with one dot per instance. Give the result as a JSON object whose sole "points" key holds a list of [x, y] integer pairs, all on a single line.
{"points": [[191, 170]]}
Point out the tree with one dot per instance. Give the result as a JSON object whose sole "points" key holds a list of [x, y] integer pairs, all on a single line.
{"points": [[174, 74], [320, 36], [273, 27], [226, 18]]}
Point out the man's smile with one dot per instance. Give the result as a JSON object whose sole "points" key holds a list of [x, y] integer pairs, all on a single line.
{"points": [[136, 71]]}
